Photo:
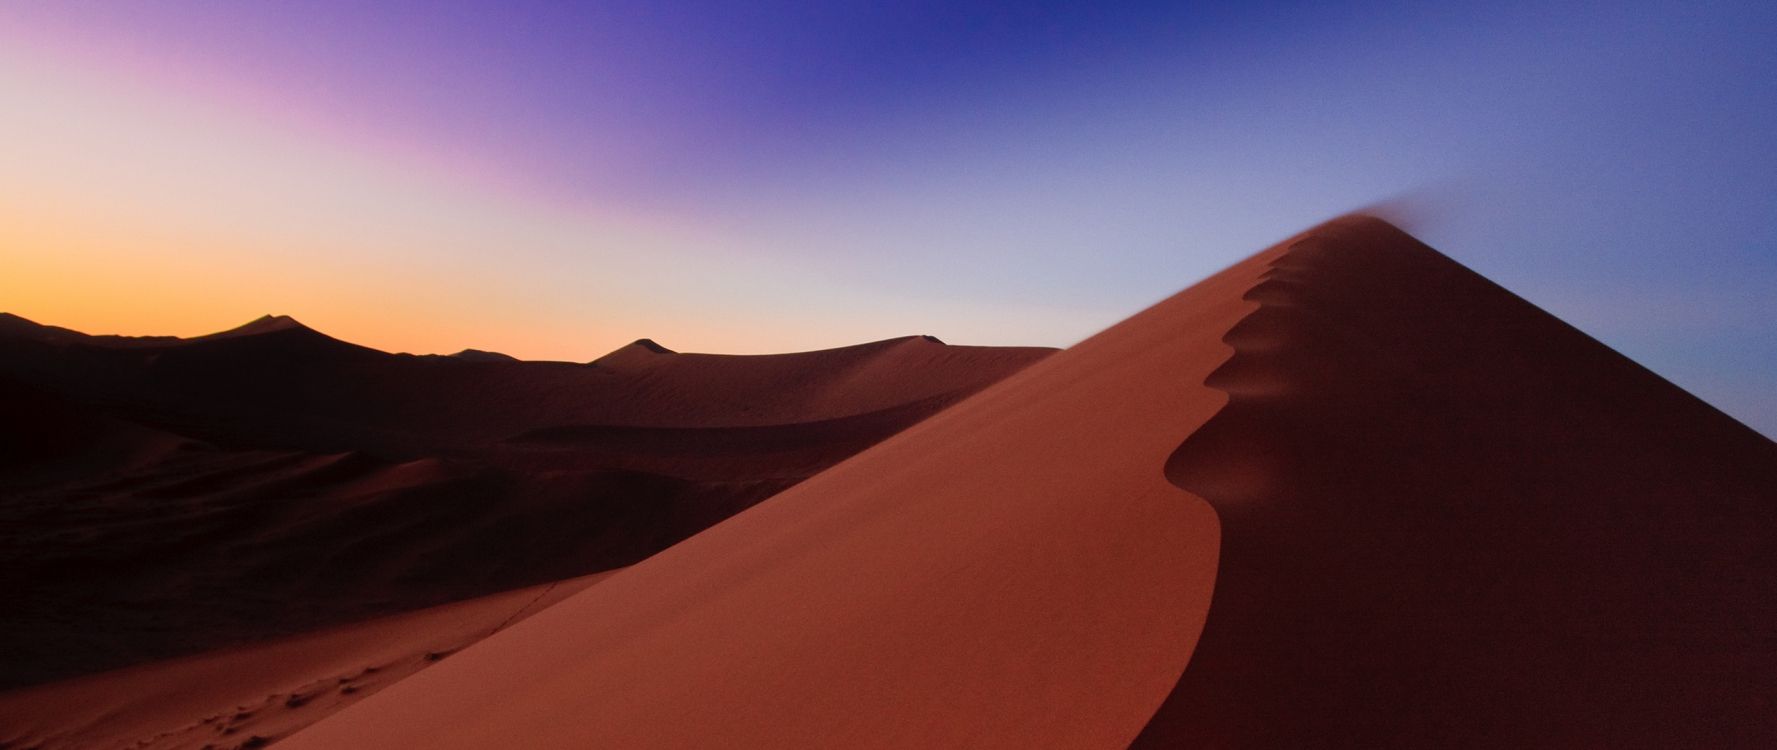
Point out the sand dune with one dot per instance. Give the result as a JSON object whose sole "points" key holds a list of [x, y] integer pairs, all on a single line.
{"points": [[166, 496], [275, 382], [1015, 571], [50, 438], [1344, 493]]}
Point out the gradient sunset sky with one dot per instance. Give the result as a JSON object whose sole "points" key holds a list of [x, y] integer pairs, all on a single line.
{"points": [[553, 179]]}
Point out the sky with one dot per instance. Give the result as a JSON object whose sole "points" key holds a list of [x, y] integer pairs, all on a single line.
{"points": [[555, 179]]}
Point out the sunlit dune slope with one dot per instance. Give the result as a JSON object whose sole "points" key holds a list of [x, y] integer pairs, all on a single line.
{"points": [[1014, 571]]}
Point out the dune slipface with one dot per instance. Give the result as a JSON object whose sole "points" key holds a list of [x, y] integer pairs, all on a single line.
{"points": [[1370, 498], [1450, 518]]}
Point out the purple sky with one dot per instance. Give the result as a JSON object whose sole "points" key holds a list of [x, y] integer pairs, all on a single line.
{"points": [[554, 179]]}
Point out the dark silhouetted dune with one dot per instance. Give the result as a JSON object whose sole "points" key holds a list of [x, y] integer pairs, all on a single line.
{"points": [[477, 355], [276, 383], [49, 438], [164, 496]]}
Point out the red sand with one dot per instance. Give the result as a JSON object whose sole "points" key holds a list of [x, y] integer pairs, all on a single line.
{"points": [[1344, 493], [266, 691], [1014, 571], [1443, 518]]}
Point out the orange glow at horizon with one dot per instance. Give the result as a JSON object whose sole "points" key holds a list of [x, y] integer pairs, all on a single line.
{"points": [[140, 215], [74, 279], [135, 209]]}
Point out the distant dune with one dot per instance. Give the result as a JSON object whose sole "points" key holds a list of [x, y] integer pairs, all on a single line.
{"points": [[1345, 493], [163, 496]]}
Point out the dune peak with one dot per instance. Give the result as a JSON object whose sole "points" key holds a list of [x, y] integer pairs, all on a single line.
{"points": [[635, 353], [11, 322], [482, 355], [263, 324]]}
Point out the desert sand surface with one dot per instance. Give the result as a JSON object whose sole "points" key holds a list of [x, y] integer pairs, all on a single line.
{"points": [[1344, 493], [162, 497], [1016, 571], [252, 696]]}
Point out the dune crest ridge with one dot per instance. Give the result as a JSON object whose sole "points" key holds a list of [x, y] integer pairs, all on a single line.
{"points": [[1345, 492], [1015, 571]]}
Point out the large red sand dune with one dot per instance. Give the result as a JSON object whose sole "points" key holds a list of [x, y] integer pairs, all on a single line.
{"points": [[1345, 493]]}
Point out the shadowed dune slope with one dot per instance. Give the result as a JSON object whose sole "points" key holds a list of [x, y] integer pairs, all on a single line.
{"points": [[164, 496], [50, 439], [250, 696], [1013, 572], [1450, 518], [1370, 498]]}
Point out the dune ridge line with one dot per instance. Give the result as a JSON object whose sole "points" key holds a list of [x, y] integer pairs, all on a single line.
{"points": [[1014, 571], [1447, 516]]}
